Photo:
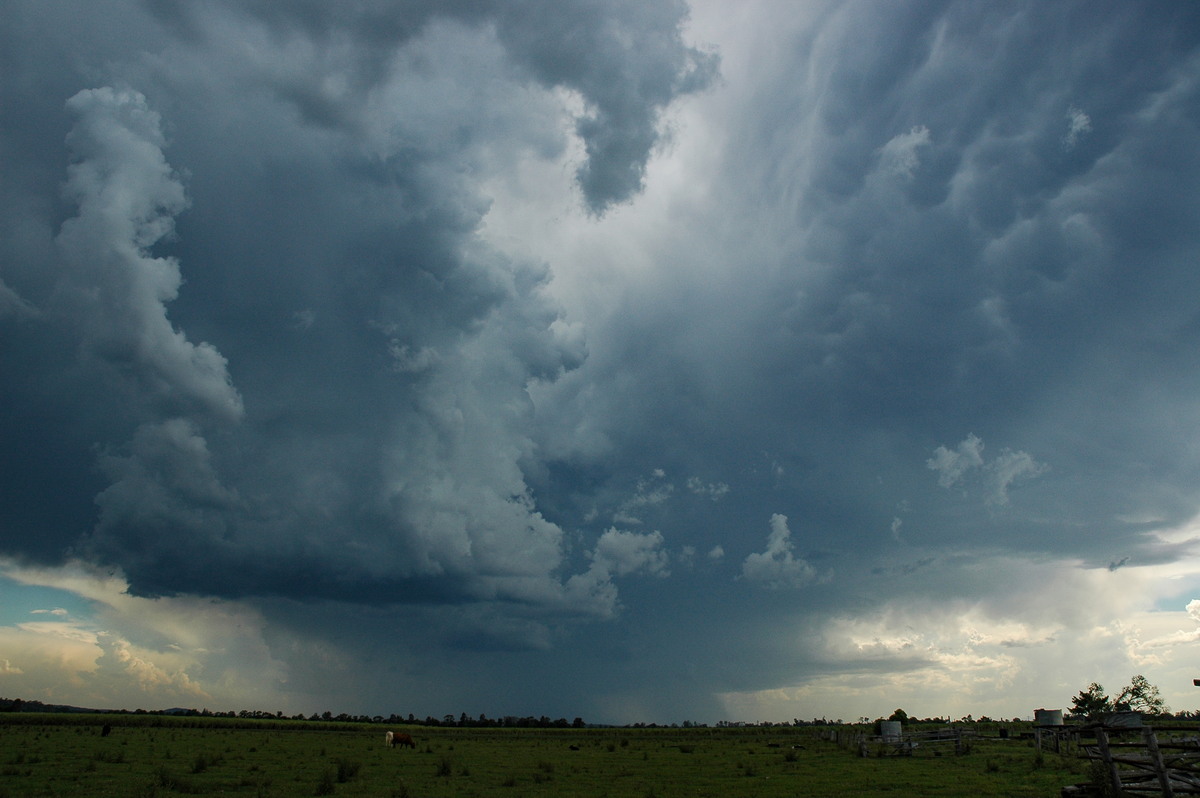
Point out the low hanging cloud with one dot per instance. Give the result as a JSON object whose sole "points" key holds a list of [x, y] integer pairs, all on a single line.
{"points": [[1001, 473], [617, 553], [778, 568], [620, 553]]}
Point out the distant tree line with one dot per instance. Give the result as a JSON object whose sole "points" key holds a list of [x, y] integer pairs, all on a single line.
{"points": [[463, 720]]}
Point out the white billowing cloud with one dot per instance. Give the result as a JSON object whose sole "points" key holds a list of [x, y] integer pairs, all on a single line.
{"points": [[900, 156], [651, 491], [140, 652], [1193, 609], [114, 288], [617, 553], [951, 465], [1079, 124], [1005, 635], [152, 677], [778, 567], [1007, 469], [409, 360], [713, 490]]}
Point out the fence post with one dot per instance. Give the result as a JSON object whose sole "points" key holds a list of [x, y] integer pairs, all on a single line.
{"points": [[1114, 777], [1164, 778]]}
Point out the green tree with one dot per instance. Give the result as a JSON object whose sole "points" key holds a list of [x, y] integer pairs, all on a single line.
{"points": [[1140, 696], [1092, 702], [899, 715]]}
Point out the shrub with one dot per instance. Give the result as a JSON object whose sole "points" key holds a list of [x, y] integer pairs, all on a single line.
{"points": [[346, 770], [325, 784]]}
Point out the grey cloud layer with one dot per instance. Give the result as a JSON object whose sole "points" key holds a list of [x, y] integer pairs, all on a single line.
{"points": [[935, 303], [335, 404]]}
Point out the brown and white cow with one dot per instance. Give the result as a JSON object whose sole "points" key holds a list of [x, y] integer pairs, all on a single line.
{"points": [[394, 739]]}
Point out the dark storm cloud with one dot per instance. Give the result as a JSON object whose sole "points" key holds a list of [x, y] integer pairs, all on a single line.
{"points": [[912, 302], [635, 65], [950, 231], [309, 373]]}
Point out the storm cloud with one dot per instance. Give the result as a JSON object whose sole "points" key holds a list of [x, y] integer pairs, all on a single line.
{"points": [[494, 342]]}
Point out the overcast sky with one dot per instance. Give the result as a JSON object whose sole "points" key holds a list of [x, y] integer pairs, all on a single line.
{"points": [[620, 359]]}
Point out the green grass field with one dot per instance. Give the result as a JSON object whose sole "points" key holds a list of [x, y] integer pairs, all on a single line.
{"points": [[47, 755]]}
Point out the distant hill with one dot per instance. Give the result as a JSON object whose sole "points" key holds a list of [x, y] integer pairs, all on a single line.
{"points": [[21, 705]]}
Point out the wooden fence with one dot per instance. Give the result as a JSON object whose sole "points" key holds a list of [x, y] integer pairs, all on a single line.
{"points": [[934, 742], [1142, 761]]}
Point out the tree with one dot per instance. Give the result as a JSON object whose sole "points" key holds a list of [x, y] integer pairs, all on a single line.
{"points": [[1092, 702], [899, 715], [1140, 696]]}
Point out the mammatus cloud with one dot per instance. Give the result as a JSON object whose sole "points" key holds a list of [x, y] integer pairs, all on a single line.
{"points": [[778, 568]]}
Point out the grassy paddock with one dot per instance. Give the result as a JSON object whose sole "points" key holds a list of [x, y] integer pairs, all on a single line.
{"points": [[150, 756]]}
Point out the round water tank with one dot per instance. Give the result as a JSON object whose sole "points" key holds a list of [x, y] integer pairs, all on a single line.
{"points": [[890, 731], [1048, 717]]}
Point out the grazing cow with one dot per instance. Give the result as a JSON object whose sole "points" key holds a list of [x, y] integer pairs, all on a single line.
{"points": [[399, 738]]}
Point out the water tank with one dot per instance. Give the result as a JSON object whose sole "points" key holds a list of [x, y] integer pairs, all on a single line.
{"points": [[890, 731], [1047, 717]]}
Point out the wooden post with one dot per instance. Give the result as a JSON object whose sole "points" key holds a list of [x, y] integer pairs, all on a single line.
{"points": [[1113, 776], [1164, 778]]}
